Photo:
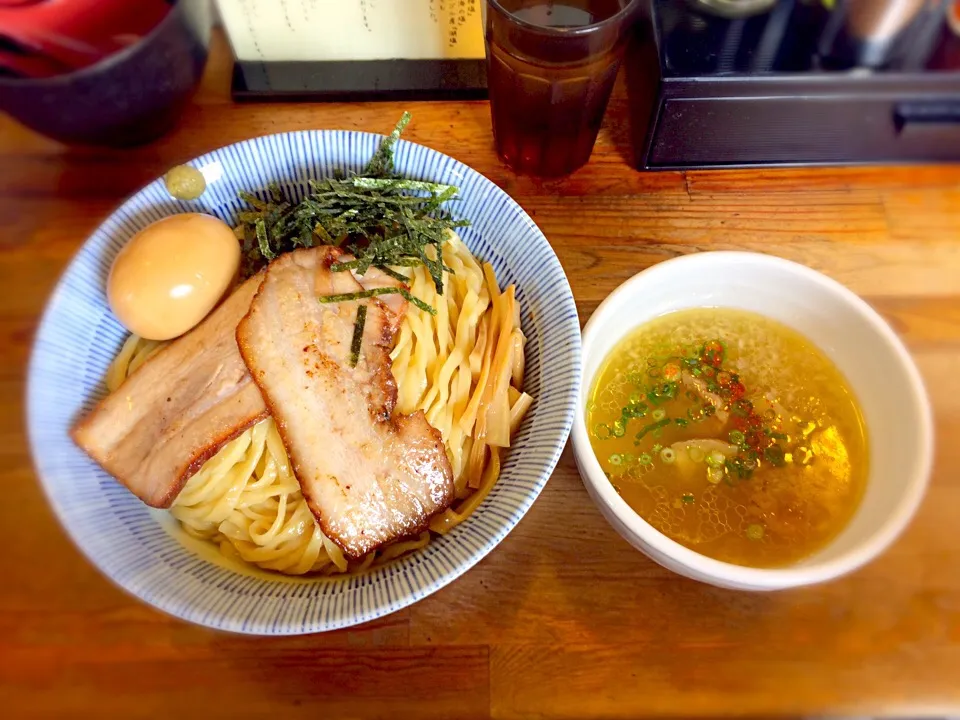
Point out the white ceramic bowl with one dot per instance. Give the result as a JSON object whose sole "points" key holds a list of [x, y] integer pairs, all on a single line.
{"points": [[880, 371]]}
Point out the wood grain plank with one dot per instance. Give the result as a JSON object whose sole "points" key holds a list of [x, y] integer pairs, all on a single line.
{"points": [[917, 216], [623, 681], [882, 269], [252, 678], [765, 181]]}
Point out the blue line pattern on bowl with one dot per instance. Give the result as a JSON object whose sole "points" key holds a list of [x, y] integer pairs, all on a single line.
{"points": [[78, 337]]}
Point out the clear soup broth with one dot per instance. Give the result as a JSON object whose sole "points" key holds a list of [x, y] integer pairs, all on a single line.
{"points": [[731, 434]]}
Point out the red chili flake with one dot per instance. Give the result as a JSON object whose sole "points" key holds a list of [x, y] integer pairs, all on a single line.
{"points": [[712, 353], [755, 421], [723, 377], [709, 372], [671, 371], [737, 390]]}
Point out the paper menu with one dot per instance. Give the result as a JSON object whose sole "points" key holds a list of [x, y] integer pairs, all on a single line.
{"points": [[329, 30]]}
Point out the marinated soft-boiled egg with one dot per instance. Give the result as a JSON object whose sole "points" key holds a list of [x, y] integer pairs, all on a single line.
{"points": [[172, 273]]}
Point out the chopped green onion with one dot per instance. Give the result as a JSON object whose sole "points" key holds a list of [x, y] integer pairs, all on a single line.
{"points": [[651, 427], [755, 532], [736, 437], [615, 459], [716, 459], [687, 498], [645, 459], [658, 414], [618, 429], [681, 422], [634, 410], [634, 398], [662, 392], [774, 455], [668, 456], [601, 431], [715, 349], [739, 467], [714, 475]]}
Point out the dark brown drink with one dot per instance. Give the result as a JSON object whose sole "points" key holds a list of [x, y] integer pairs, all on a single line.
{"points": [[551, 67]]}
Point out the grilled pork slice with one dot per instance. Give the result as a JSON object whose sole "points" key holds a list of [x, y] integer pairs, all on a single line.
{"points": [[369, 476], [178, 409]]}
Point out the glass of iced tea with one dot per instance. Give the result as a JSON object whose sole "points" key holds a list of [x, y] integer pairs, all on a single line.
{"points": [[551, 65]]}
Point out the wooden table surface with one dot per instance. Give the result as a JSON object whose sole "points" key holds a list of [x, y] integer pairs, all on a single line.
{"points": [[564, 619]]}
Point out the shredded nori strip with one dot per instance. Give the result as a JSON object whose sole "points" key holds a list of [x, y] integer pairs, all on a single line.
{"points": [[262, 241], [383, 219], [357, 335], [393, 273], [374, 292], [381, 164]]}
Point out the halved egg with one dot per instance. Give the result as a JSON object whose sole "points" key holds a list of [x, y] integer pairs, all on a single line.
{"points": [[172, 274]]}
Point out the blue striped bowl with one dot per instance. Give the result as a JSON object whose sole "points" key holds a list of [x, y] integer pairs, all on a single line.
{"points": [[136, 547]]}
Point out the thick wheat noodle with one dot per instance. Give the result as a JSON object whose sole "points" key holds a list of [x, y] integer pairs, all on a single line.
{"points": [[246, 499], [450, 518]]}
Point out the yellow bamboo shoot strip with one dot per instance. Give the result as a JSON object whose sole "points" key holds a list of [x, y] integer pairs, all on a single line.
{"points": [[493, 392], [498, 407]]}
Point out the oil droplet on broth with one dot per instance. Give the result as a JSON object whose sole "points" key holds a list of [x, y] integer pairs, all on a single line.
{"points": [[768, 450]]}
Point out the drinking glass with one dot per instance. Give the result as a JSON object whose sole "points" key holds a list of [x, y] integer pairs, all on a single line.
{"points": [[550, 69]]}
